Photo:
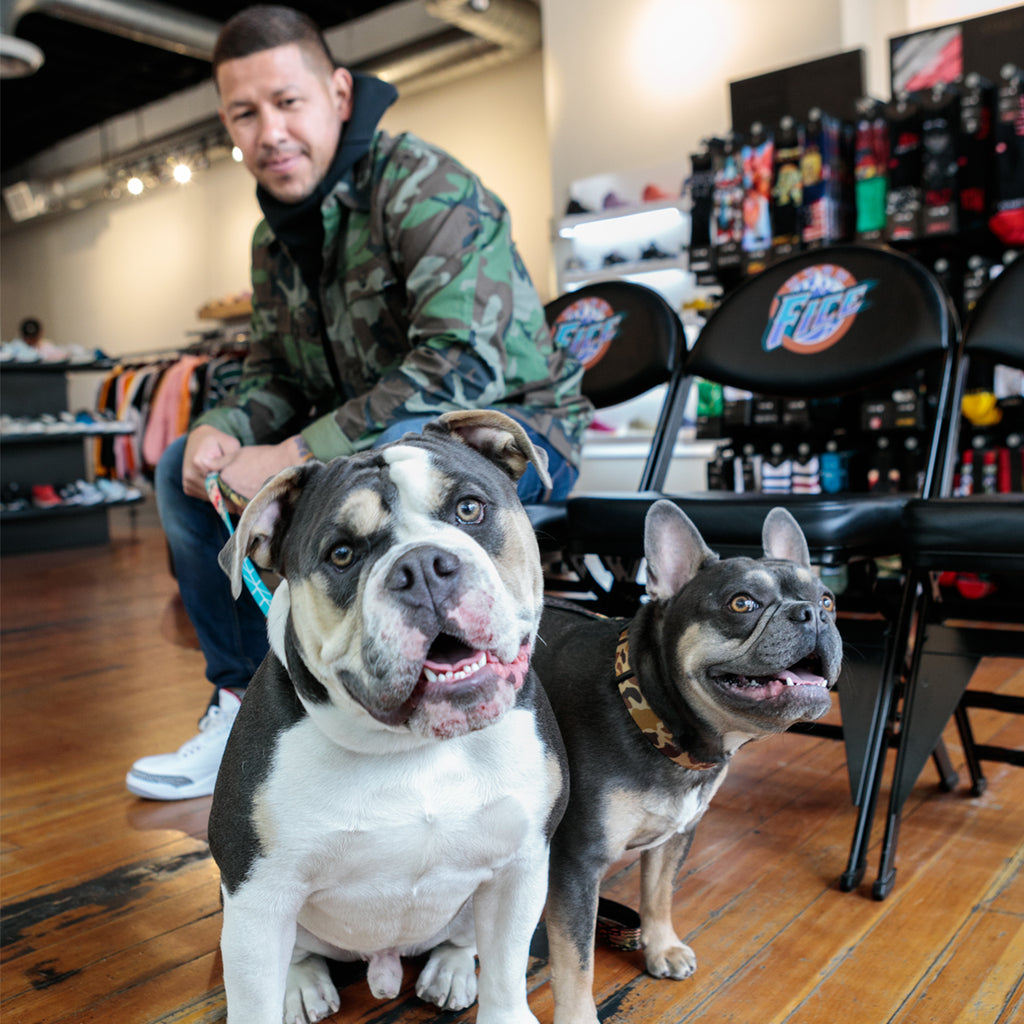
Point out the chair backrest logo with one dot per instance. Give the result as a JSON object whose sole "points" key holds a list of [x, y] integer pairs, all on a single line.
{"points": [[814, 309], [587, 327]]}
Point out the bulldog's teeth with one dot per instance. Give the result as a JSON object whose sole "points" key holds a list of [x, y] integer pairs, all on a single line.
{"points": [[452, 676]]}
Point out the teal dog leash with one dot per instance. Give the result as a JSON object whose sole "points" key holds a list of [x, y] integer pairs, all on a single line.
{"points": [[260, 592]]}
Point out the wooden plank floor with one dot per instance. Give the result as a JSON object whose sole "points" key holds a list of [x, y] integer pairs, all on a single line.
{"points": [[110, 907]]}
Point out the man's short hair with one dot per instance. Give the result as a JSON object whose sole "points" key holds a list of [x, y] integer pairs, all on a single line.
{"points": [[265, 26]]}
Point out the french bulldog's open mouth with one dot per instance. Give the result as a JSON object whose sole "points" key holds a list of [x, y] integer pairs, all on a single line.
{"points": [[767, 687]]}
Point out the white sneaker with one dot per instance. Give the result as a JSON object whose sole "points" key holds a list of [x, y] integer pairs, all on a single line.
{"points": [[191, 770]]}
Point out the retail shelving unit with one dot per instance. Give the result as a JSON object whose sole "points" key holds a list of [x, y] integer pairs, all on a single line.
{"points": [[53, 456]]}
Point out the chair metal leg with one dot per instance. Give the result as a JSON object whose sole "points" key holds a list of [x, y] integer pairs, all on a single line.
{"points": [[963, 724], [878, 740], [938, 677], [949, 778]]}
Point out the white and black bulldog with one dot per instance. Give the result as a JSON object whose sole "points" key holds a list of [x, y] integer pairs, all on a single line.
{"points": [[395, 774]]}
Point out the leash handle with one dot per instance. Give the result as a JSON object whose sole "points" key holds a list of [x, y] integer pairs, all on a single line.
{"points": [[259, 590]]}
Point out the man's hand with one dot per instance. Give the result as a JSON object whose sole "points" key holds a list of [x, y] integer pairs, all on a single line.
{"points": [[207, 450], [254, 464]]}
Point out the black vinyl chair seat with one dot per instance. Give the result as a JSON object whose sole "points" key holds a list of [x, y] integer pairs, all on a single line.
{"points": [[837, 530]]}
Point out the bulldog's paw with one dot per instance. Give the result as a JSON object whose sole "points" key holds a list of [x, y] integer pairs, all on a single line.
{"points": [[676, 961], [449, 978], [310, 995]]}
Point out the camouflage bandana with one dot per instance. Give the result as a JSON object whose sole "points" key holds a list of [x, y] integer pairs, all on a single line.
{"points": [[643, 714]]}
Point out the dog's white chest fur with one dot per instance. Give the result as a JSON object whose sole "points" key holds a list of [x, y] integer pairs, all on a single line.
{"points": [[387, 849]]}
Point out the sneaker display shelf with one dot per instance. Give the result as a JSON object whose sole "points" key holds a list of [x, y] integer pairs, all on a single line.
{"points": [[49, 452], [644, 242]]}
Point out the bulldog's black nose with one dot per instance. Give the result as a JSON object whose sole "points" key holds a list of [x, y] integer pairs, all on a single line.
{"points": [[425, 577], [802, 612]]}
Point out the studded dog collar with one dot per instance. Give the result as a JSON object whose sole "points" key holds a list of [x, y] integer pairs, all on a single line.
{"points": [[657, 733]]}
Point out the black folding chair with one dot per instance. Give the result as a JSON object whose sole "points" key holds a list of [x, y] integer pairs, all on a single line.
{"points": [[823, 327], [978, 534], [630, 340]]}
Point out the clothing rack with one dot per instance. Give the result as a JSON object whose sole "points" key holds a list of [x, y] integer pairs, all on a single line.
{"points": [[159, 393]]}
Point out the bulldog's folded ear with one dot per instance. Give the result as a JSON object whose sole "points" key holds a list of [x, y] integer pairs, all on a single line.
{"points": [[497, 436], [674, 549], [264, 523], [783, 538]]}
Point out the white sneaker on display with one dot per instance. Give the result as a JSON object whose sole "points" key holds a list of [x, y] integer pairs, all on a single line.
{"points": [[191, 770]]}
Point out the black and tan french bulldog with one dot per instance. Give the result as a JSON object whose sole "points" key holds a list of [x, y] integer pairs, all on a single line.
{"points": [[394, 776], [651, 711]]}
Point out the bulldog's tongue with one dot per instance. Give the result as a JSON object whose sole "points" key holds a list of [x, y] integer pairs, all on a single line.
{"points": [[794, 677]]}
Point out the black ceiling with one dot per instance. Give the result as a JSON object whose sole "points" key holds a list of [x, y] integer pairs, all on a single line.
{"points": [[90, 76]]}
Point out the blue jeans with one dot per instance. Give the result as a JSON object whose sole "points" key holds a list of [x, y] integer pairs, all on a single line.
{"points": [[233, 634]]}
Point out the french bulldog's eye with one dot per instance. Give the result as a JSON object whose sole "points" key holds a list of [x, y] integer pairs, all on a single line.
{"points": [[469, 510], [828, 603], [743, 603], [341, 556]]}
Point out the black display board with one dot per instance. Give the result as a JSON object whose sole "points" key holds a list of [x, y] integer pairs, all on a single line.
{"points": [[833, 84], [919, 60]]}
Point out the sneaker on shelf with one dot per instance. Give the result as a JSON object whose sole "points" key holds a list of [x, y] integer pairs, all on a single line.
{"points": [[191, 770], [112, 490], [45, 496], [12, 497], [656, 194], [655, 252], [90, 493]]}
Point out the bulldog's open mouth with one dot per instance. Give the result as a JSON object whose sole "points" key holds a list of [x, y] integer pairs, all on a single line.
{"points": [[449, 660], [803, 673], [459, 689]]}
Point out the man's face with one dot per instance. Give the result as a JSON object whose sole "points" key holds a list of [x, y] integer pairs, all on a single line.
{"points": [[285, 114]]}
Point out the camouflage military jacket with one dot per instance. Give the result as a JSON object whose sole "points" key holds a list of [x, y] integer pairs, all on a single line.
{"points": [[426, 307]]}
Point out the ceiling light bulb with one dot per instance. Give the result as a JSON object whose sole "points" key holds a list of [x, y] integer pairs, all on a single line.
{"points": [[182, 174], [135, 185]]}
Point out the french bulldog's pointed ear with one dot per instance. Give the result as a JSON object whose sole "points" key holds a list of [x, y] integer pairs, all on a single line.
{"points": [[497, 436], [263, 524], [674, 548], [783, 538]]}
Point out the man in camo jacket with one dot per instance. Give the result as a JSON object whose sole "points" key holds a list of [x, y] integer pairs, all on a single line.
{"points": [[386, 290]]}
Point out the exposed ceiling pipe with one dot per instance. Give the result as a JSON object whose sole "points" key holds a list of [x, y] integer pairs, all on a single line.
{"points": [[144, 21], [512, 25], [483, 33]]}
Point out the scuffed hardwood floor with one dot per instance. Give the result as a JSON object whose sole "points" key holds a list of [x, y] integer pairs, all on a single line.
{"points": [[110, 908]]}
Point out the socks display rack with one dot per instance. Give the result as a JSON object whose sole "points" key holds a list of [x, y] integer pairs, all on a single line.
{"points": [[938, 174]]}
